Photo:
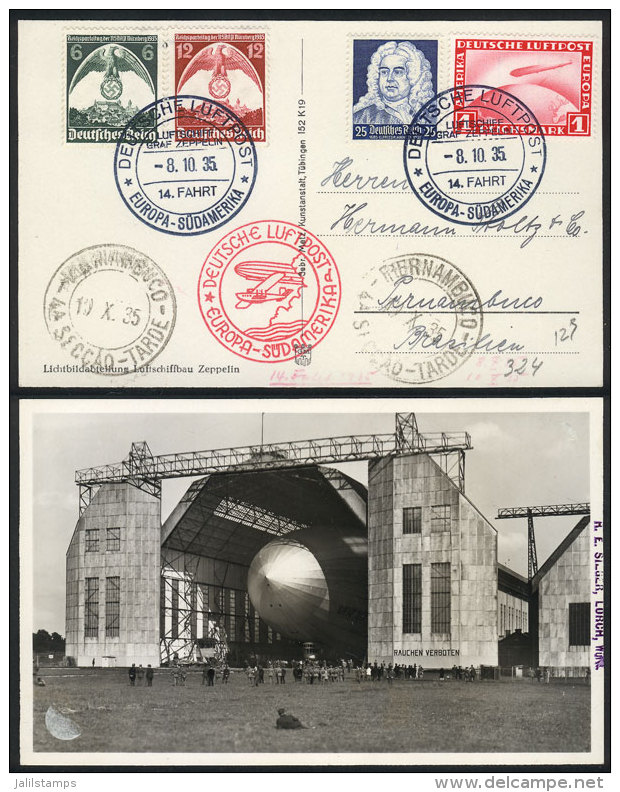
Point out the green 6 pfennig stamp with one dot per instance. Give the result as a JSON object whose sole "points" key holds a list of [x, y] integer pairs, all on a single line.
{"points": [[109, 79]]}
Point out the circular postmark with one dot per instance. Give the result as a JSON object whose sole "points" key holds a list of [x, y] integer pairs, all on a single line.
{"points": [[269, 291], [419, 318], [474, 154], [195, 171], [111, 308]]}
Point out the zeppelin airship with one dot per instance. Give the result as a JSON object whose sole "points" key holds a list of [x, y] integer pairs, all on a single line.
{"points": [[311, 587], [294, 539]]}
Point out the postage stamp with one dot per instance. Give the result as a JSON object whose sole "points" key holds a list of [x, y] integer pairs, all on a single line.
{"points": [[109, 78], [553, 78], [392, 80], [186, 181], [227, 67], [419, 318], [474, 154], [269, 291], [111, 308]]}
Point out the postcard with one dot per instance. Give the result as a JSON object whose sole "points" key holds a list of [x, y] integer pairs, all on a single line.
{"points": [[325, 582], [271, 203]]}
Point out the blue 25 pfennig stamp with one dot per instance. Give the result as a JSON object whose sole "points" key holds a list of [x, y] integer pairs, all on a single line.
{"points": [[109, 78], [392, 80], [194, 173]]}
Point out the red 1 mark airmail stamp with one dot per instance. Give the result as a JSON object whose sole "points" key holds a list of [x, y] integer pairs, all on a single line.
{"points": [[268, 290], [553, 78], [226, 67]]}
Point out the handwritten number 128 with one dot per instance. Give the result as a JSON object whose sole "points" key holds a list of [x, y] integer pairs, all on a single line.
{"points": [[566, 333]]}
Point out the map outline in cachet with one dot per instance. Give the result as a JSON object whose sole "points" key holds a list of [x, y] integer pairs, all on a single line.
{"points": [[103, 72], [411, 286], [490, 133], [173, 181], [112, 307], [391, 80], [278, 281], [229, 68], [552, 77]]}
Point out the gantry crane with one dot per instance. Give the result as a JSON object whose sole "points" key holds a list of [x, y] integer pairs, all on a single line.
{"points": [[146, 471], [530, 512]]}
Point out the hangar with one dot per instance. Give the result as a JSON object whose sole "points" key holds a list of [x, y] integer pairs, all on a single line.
{"points": [[272, 549]]}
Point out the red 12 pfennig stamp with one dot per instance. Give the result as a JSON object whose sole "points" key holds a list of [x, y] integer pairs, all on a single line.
{"points": [[226, 67], [552, 78], [269, 291]]}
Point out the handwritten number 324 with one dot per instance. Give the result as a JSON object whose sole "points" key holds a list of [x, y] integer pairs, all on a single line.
{"points": [[519, 366]]}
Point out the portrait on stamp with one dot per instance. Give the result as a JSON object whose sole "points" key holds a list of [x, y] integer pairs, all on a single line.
{"points": [[392, 80], [109, 79]]}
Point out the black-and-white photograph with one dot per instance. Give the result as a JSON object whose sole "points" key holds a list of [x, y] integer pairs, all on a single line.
{"points": [[237, 581]]}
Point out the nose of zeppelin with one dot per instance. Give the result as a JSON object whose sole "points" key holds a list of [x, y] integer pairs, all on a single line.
{"points": [[288, 589]]}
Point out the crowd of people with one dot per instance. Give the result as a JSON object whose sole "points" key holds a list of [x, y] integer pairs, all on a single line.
{"points": [[375, 672], [309, 672]]}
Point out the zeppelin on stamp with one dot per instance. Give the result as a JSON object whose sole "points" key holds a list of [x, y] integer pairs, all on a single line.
{"points": [[186, 181], [553, 78], [419, 318], [227, 67], [269, 291], [474, 154], [111, 308], [109, 78], [392, 80]]}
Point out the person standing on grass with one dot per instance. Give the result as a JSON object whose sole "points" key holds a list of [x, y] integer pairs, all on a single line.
{"points": [[390, 674], [414, 675], [270, 672], [140, 675], [210, 676], [132, 675], [149, 676], [420, 671], [282, 675], [225, 673]]}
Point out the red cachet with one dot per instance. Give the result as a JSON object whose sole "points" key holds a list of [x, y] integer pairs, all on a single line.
{"points": [[227, 67], [552, 78], [269, 291]]}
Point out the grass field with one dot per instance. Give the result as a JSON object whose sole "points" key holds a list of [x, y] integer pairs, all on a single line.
{"points": [[408, 716]]}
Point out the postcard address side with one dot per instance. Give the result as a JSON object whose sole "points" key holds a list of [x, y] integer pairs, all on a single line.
{"points": [[536, 270]]}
